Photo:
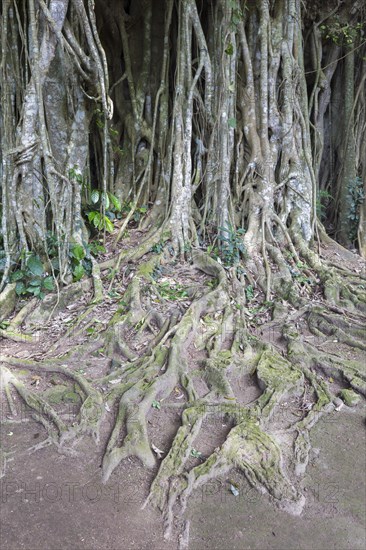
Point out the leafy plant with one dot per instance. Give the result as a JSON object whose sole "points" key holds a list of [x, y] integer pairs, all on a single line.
{"points": [[32, 279], [231, 245], [80, 262], [111, 205], [102, 207], [355, 196], [100, 221], [158, 247], [323, 200], [171, 291], [113, 133], [95, 248], [139, 212], [249, 293], [237, 14], [156, 405], [342, 33], [78, 268]]}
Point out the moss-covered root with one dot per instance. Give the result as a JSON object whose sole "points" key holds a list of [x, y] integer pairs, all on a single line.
{"points": [[173, 464], [42, 410], [255, 452], [136, 443], [90, 414], [278, 378], [351, 333], [91, 410]]}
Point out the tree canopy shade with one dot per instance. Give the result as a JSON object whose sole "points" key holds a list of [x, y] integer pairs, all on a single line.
{"points": [[233, 129]]}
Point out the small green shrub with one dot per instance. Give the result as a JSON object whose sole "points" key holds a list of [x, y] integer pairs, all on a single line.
{"points": [[322, 202], [355, 197], [231, 245], [32, 279]]}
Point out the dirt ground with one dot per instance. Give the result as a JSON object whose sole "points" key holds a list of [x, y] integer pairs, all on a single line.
{"points": [[54, 501]]}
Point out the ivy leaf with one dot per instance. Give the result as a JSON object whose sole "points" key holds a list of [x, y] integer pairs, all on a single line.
{"points": [[105, 200], [78, 272], [115, 201], [35, 282], [35, 266], [16, 276], [232, 122], [195, 453], [78, 252], [48, 283], [95, 218], [20, 288], [108, 225], [230, 49], [94, 197]]}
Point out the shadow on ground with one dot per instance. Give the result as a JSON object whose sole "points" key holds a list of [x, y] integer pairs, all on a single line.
{"points": [[49, 501]]}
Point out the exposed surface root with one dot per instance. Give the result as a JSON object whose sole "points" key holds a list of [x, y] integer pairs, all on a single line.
{"points": [[198, 350]]}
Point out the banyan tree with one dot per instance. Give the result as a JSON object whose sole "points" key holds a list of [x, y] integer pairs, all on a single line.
{"points": [[221, 137]]}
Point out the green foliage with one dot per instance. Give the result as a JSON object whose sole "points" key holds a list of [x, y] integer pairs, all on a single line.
{"points": [[171, 291], [342, 33], [229, 49], [156, 405], [79, 256], [158, 247], [212, 283], [237, 14], [323, 200], [75, 174], [231, 245], [96, 248], [139, 212], [114, 135], [249, 293], [109, 200], [79, 260], [355, 197], [100, 221], [102, 207], [111, 205], [32, 279]]}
